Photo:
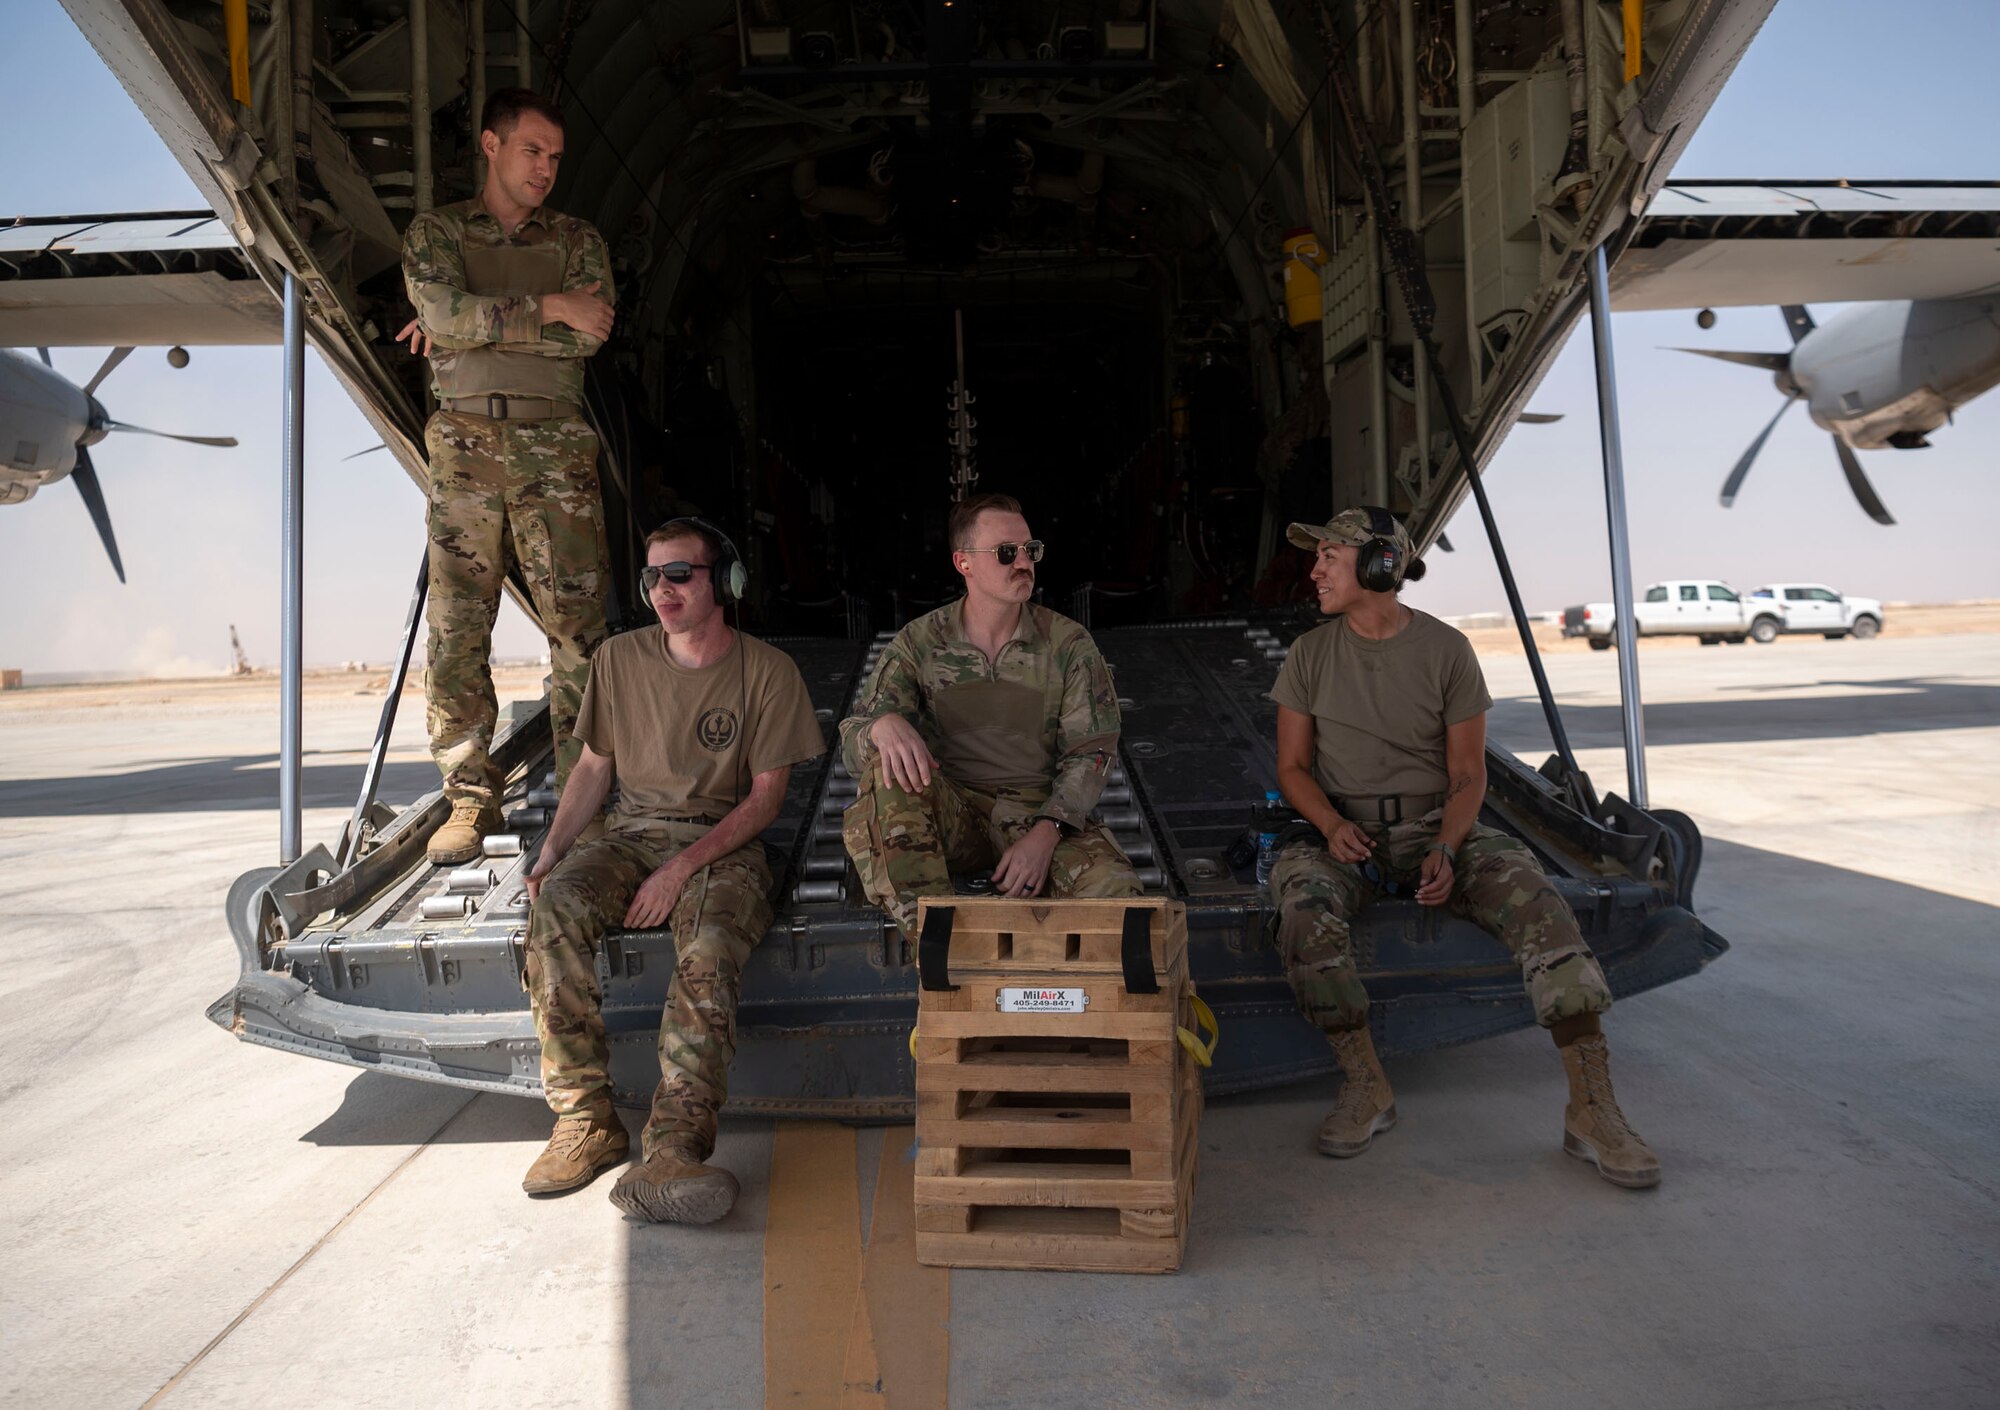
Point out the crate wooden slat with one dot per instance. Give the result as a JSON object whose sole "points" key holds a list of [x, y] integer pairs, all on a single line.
{"points": [[1056, 1140]]}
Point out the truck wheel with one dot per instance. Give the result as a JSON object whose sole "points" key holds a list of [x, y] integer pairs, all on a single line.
{"points": [[1600, 643], [1866, 628], [1765, 630]]}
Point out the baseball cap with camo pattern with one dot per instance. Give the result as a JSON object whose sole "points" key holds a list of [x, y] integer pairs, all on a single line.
{"points": [[1350, 526]]}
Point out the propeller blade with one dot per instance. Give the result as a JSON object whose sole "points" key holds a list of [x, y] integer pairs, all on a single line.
{"points": [[1539, 418], [1444, 543], [1858, 482], [379, 445], [1735, 481], [85, 479], [45, 357], [1798, 320], [1770, 362], [118, 355], [224, 441]]}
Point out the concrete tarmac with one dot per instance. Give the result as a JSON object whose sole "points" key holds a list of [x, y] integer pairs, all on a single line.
{"points": [[195, 1222]]}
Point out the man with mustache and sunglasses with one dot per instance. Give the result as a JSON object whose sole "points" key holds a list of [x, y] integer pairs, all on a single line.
{"points": [[983, 738], [700, 726]]}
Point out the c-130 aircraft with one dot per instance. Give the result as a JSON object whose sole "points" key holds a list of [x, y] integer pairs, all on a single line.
{"points": [[799, 198]]}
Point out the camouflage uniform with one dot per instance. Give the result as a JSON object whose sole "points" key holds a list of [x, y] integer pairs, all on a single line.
{"points": [[721, 915], [506, 492], [906, 845], [1496, 885]]}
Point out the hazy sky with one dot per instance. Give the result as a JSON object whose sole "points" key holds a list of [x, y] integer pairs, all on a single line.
{"points": [[1827, 90]]}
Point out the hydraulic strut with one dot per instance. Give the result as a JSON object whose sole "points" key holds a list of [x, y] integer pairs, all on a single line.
{"points": [[1406, 259]]}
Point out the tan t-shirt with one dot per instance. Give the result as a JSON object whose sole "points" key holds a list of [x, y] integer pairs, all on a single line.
{"points": [[678, 738], [1380, 708]]}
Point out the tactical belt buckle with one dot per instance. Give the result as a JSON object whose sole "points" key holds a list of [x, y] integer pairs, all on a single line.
{"points": [[496, 406]]}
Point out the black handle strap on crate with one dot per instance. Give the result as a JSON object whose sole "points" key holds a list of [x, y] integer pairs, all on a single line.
{"points": [[1135, 950], [934, 948]]}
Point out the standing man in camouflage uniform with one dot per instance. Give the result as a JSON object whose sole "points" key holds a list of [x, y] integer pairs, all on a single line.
{"points": [[700, 726], [984, 737], [511, 298], [1382, 749]]}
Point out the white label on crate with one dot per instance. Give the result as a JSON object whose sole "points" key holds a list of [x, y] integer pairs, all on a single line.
{"points": [[1042, 1000]]}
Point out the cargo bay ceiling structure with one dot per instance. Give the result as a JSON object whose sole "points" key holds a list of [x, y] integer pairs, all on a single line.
{"points": [[800, 194], [1207, 267]]}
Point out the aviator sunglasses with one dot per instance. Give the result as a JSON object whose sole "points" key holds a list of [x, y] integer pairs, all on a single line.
{"points": [[649, 576], [1005, 552]]}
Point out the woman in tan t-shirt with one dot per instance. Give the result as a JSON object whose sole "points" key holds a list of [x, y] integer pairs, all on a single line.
{"points": [[1382, 750]]}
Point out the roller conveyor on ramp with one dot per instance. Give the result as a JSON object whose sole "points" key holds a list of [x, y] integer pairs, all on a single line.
{"points": [[395, 964]]}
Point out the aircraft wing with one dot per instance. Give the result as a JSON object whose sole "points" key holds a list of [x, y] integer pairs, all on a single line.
{"points": [[1708, 244], [129, 281]]}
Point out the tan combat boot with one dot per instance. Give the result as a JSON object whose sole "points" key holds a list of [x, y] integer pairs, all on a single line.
{"points": [[580, 1148], [1366, 1104], [1594, 1129], [458, 839], [672, 1187]]}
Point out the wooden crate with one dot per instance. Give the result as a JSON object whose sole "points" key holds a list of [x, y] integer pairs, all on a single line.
{"points": [[1056, 1140]]}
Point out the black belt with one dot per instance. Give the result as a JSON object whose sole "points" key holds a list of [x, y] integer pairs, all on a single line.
{"points": [[1391, 808], [511, 408]]}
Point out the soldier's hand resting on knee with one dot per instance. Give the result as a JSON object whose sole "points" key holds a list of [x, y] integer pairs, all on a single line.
{"points": [[545, 862], [655, 898], [1023, 869], [1348, 843], [906, 759], [1434, 881]]}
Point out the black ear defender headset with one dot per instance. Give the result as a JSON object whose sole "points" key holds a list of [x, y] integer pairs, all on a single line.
{"points": [[727, 575], [728, 578], [1379, 564]]}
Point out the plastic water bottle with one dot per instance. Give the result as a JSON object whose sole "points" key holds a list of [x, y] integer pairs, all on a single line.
{"points": [[1267, 837]]}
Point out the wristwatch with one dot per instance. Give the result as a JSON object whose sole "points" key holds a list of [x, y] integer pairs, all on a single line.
{"points": [[1450, 854]]}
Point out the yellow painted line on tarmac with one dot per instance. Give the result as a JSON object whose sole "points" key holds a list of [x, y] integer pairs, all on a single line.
{"points": [[824, 1299], [812, 1264], [909, 1303]]}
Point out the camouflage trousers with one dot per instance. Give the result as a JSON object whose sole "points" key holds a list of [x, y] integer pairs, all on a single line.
{"points": [[906, 845], [1497, 886], [722, 913], [504, 493]]}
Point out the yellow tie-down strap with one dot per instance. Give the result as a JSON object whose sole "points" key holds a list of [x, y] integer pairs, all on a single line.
{"points": [[1204, 1017], [1202, 1053]]}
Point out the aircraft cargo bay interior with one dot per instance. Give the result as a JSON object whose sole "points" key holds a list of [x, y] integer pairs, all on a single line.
{"points": [[1173, 275], [988, 811]]}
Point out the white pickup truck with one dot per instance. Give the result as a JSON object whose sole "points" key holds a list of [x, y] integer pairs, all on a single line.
{"points": [[1698, 607], [1815, 607]]}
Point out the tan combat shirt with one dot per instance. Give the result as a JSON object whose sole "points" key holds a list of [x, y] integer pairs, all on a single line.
{"points": [[1380, 708], [686, 743], [1039, 721], [477, 291]]}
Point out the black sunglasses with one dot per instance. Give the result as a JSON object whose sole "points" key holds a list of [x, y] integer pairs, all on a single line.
{"points": [[1006, 552], [649, 577]]}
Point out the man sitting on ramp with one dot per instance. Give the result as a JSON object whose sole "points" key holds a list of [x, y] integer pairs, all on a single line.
{"points": [[984, 738], [681, 715], [1382, 749]]}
